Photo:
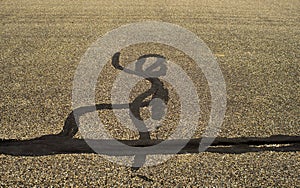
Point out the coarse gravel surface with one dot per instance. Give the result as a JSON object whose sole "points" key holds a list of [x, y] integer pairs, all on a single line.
{"points": [[257, 47]]}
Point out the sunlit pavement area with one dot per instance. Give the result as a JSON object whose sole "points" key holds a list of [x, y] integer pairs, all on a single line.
{"points": [[256, 44]]}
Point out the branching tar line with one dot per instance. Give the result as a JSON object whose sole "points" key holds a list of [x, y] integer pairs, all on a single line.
{"points": [[64, 143]]}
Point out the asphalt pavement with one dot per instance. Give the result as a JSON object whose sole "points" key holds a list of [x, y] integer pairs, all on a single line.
{"points": [[256, 45]]}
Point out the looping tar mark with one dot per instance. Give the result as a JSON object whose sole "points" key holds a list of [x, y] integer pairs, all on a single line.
{"points": [[157, 91]]}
